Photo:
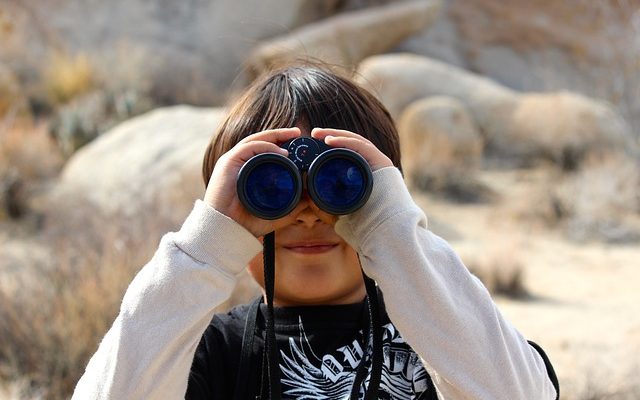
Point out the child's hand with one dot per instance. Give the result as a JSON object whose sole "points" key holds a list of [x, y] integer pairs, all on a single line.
{"points": [[221, 192], [355, 142]]}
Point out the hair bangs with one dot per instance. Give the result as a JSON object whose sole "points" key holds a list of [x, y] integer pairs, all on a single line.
{"points": [[308, 97]]}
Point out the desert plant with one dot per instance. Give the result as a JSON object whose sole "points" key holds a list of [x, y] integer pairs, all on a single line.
{"points": [[53, 313], [28, 148], [55, 308], [502, 276], [11, 99], [52, 318], [119, 90], [454, 186], [28, 157], [67, 76], [499, 267], [595, 390], [602, 201]]}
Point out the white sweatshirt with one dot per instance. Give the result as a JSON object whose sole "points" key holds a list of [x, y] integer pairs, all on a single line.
{"points": [[444, 313]]}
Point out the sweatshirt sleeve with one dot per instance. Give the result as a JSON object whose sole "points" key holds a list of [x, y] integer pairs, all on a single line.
{"points": [[442, 310], [148, 352]]}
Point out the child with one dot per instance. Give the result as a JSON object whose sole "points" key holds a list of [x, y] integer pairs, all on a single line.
{"points": [[438, 334]]}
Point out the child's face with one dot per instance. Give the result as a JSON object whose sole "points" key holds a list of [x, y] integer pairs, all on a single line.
{"points": [[314, 265]]}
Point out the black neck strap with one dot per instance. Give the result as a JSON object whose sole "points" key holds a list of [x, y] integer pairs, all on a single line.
{"points": [[240, 392], [372, 332], [273, 366]]}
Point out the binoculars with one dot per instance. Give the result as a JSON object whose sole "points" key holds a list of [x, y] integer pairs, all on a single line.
{"points": [[338, 180]]}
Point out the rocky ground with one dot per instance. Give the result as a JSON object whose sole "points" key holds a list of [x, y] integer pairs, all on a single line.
{"points": [[583, 296]]}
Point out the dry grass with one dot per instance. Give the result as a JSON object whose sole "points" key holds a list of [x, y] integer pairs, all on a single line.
{"points": [[52, 319], [11, 98], [499, 267], [602, 201], [53, 314], [30, 150], [595, 387], [593, 393], [502, 276], [67, 76], [28, 158], [457, 186]]}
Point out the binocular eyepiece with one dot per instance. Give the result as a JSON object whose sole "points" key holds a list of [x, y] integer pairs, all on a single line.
{"points": [[338, 180]]}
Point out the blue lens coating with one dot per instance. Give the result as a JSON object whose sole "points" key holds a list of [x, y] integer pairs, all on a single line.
{"points": [[340, 183], [271, 187]]}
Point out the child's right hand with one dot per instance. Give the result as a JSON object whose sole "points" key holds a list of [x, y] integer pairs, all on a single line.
{"points": [[221, 192]]}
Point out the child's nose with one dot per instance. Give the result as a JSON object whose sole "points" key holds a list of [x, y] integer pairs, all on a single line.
{"points": [[309, 213]]}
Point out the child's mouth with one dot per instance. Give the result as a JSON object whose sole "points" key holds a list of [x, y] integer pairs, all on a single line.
{"points": [[311, 247]]}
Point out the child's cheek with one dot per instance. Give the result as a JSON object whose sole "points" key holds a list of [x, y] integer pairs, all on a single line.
{"points": [[256, 269]]}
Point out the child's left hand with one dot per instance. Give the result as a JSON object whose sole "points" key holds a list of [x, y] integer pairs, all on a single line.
{"points": [[355, 142]]}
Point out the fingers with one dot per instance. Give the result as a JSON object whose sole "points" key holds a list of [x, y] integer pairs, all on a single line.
{"points": [[355, 142], [244, 151], [279, 135], [263, 142], [321, 133]]}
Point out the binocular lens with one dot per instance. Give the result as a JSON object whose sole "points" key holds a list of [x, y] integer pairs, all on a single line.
{"points": [[339, 181], [338, 185], [271, 190]]}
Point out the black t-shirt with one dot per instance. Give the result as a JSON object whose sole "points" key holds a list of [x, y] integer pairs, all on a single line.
{"points": [[320, 349]]}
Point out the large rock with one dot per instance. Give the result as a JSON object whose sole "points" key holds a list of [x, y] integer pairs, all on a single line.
{"points": [[517, 126], [400, 79], [441, 40], [135, 183], [152, 159], [346, 39], [542, 46], [566, 127], [438, 137]]}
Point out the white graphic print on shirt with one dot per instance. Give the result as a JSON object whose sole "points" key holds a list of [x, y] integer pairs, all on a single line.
{"points": [[306, 376]]}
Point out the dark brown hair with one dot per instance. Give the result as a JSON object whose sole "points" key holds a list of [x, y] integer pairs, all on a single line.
{"points": [[310, 94]]}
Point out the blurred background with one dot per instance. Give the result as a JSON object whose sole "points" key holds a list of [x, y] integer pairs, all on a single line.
{"points": [[520, 124]]}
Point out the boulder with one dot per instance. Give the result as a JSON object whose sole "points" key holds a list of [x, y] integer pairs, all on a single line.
{"points": [[441, 40], [542, 46], [132, 185], [400, 79], [152, 159], [518, 127], [438, 137], [565, 127], [346, 39]]}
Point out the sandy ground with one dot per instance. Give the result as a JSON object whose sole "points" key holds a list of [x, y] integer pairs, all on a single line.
{"points": [[585, 303]]}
